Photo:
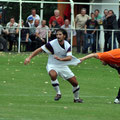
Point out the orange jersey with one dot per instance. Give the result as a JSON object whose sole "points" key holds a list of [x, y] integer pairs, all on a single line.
{"points": [[110, 57]]}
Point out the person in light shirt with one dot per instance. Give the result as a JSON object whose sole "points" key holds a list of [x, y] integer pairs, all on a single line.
{"points": [[35, 16], [80, 21], [11, 32], [60, 56], [68, 28], [41, 33]]}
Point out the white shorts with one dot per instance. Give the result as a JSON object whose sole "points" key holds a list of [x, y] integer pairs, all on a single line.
{"points": [[63, 71]]}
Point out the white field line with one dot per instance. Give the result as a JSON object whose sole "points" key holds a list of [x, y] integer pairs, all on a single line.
{"points": [[48, 95]]}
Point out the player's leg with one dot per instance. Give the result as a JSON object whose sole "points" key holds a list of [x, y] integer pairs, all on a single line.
{"points": [[76, 89], [117, 100], [67, 74], [55, 84]]}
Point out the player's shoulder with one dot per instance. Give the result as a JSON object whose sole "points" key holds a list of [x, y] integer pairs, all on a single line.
{"points": [[66, 42], [67, 45], [53, 42]]}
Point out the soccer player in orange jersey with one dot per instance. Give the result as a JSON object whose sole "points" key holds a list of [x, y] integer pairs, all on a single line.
{"points": [[111, 58]]}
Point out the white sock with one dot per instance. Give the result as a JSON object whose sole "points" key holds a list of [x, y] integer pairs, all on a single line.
{"points": [[55, 84], [76, 92]]}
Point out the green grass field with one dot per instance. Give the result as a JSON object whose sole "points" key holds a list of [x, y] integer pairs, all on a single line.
{"points": [[26, 92]]}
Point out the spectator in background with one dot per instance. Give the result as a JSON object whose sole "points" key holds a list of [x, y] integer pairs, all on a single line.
{"points": [[32, 35], [110, 23], [99, 20], [33, 30], [34, 15], [105, 14], [105, 32], [90, 34], [0, 17], [41, 33], [57, 18], [24, 36], [53, 30], [67, 27], [11, 32], [3, 41], [98, 16], [118, 33], [29, 22], [80, 21], [30, 25]]}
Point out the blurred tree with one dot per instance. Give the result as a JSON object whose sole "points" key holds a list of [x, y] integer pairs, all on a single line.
{"points": [[13, 9]]}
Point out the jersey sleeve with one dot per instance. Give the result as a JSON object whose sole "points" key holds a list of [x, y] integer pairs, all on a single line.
{"points": [[48, 48]]}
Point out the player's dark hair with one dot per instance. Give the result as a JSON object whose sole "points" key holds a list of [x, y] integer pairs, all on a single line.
{"points": [[64, 32]]}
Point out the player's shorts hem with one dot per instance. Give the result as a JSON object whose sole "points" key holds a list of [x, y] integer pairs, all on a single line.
{"points": [[63, 71]]}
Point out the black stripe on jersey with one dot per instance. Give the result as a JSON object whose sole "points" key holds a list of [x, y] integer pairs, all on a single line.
{"points": [[69, 49], [49, 47]]}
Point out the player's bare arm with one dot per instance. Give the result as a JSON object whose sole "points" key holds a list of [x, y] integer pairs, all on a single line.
{"points": [[93, 55], [68, 58], [36, 52]]}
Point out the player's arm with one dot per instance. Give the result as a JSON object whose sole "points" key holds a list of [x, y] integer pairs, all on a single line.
{"points": [[93, 55], [68, 58], [68, 55], [36, 52]]}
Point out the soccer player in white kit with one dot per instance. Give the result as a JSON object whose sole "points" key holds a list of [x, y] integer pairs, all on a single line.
{"points": [[60, 56]]}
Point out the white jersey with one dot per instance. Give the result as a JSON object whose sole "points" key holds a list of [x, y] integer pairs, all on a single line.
{"points": [[54, 48]]}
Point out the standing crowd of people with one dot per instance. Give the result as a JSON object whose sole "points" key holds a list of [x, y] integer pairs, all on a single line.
{"points": [[34, 32], [88, 30]]}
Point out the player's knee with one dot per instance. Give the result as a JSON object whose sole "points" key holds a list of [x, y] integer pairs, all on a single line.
{"points": [[73, 81], [75, 84], [53, 75]]}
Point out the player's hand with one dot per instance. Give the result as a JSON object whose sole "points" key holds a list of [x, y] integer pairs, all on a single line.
{"points": [[81, 59], [27, 61], [57, 58]]}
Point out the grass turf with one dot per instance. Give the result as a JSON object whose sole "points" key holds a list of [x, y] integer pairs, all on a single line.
{"points": [[26, 92]]}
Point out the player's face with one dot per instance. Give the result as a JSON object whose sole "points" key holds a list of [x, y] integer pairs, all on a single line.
{"points": [[60, 36]]}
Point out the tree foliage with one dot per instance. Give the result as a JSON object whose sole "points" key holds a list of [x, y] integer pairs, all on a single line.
{"points": [[13, 10]]}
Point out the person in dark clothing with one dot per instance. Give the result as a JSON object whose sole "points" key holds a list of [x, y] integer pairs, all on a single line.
{"points": [[53, 29], [90, 34], [3, 41], [118, 33], [110, 23], [25, 36]]}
